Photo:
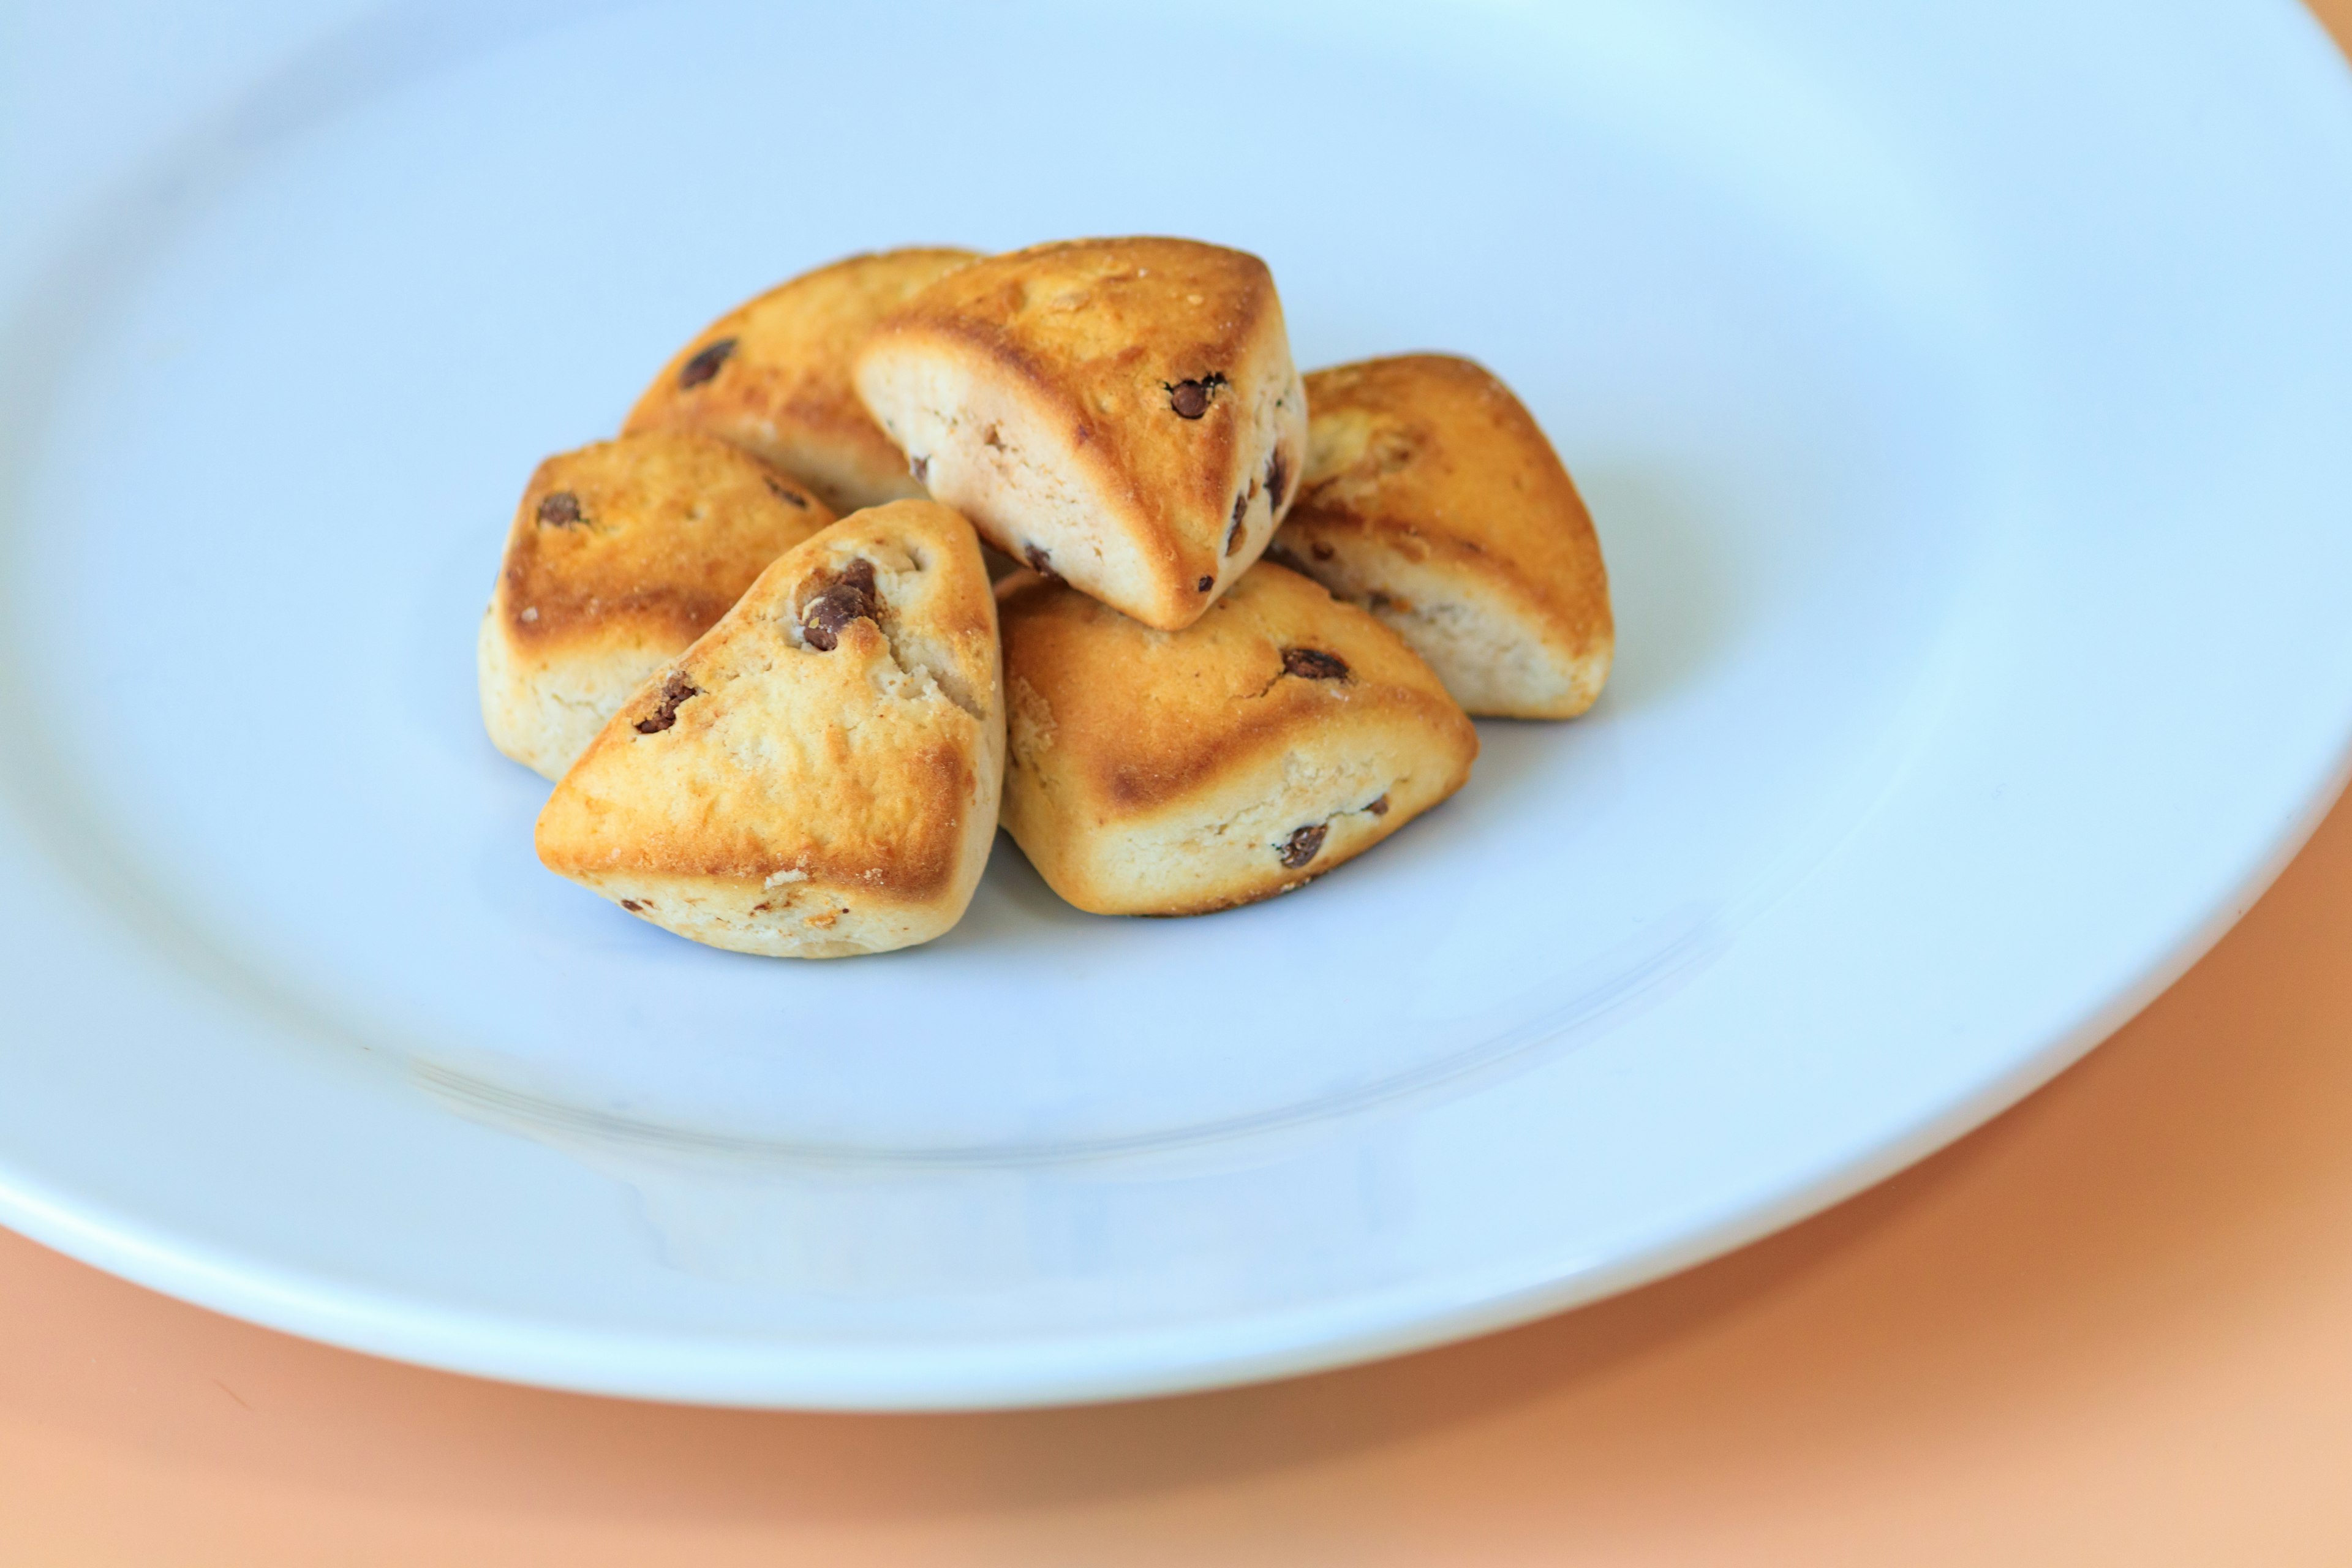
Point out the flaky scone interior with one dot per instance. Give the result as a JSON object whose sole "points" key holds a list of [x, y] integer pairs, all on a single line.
{"points": [[1434, 499], [1122, 414]]}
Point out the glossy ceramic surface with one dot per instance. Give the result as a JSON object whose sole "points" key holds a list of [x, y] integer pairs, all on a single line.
{"points": [[1961, 407]]}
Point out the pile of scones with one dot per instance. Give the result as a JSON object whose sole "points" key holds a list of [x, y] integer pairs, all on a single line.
{"points": [[1228, 637]]}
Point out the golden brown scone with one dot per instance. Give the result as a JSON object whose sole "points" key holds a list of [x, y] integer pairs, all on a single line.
{"points": [[1122, 414], [620, 554], [1433, 500], [772, 377], [1158, 773], [818, 775]]}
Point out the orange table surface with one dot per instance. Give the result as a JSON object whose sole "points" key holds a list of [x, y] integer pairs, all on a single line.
{"points": [[2114, 1326]]}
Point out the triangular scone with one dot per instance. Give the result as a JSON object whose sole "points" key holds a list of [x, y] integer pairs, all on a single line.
{"points": [[1122, 414], [620, 554], [1433, 500], [818, 775], [1158, 773], [772, 377]]}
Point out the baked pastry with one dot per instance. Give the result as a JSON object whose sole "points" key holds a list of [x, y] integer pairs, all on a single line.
{"points": [[772, 377], [1157, 772], [818, 775], [1122, 414], [1433, 500], [620, 554]]}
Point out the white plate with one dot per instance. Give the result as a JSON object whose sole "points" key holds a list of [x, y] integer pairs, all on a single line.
{"points": [[1964, 396]]}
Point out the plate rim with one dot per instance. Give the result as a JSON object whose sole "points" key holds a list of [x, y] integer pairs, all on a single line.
{"points": [[382, 1323]]}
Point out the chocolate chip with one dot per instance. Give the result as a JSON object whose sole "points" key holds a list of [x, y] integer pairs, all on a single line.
{"points": [[1378, 807], [1304, 845], [1240, 510], [1190, 399], [921, 469], [1322, 550], [705, 363], [675, 691], [1313, 664], [1039, 561], [822, 621], [849, 598], [631, 905], [1205, 584], [560, 510], [785, 492], [1277, 474]]}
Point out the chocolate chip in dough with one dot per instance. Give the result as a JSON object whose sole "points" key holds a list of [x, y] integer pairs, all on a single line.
{"points": [[1041, 561], [675, 691], [785, 492], [705, 363], [560, 510], [849, 598], [1378, 807], [1313, 664], [1205, 584], [1241, 511], [1190, 399], [1304, 845], [1277, 474]]}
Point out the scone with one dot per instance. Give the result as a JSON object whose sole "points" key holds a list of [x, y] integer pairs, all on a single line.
{"points": [[772, 377], [620, 554], [1433, 500], [818, 775], [1158, 773], [1121, 414]]}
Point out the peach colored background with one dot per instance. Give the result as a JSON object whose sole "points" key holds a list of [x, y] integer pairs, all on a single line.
{"points": [[2113, 1327]]}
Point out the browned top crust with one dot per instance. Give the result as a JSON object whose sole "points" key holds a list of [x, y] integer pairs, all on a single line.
{"points": [[1432, 456], [651, 535], [1120, 335], [1140, 719], [760, 754], [772, 375]]}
